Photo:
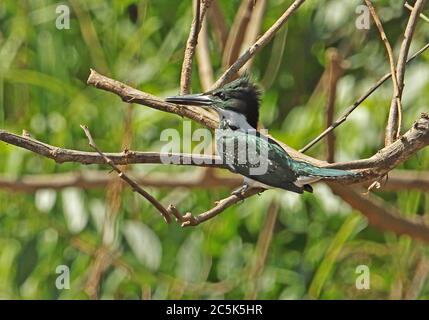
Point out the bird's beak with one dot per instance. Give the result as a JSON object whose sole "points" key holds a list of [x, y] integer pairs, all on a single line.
{"points": [[199, 99]]}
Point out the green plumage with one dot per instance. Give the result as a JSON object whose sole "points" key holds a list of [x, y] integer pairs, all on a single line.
{"points": [[281, 170]]}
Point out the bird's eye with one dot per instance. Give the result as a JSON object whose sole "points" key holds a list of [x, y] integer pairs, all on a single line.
{"points": [[220, 95]]}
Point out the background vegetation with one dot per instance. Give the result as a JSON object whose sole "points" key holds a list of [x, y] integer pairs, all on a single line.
{"points": [[275, 246]]}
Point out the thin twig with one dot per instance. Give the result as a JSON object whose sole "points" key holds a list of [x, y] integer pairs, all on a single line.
{"points": [[393, 123], [201, 7], [185, 78], [103, 257], [163, 211], [422, 16], [258, 45], [190, 220], [396, 90], [358, 102]]}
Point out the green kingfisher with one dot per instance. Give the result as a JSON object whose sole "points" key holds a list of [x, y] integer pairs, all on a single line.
{"points": [[246, 151]]}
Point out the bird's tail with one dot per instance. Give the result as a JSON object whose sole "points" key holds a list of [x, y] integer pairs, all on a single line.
{"points": [[309, 170]]}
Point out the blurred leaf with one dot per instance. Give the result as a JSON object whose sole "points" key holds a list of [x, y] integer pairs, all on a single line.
{"points": [[192, 263], [26, 261], [45, 199], [145, 244], [346, 231], [74, 209]]}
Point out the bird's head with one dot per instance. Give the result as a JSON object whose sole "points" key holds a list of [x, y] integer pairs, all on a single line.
{"points": [[240, 96]]}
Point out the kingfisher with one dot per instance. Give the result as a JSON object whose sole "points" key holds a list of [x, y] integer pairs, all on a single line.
{"points": [[244, 150]]}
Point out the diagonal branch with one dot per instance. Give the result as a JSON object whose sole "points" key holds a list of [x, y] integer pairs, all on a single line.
{"points": [[131, 95], [396, 90], [201, 7], [190, 220], [393, 122], [258, 45], [358, 102], [163, 211]]}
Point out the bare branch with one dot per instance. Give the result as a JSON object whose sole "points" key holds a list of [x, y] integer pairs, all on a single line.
{"points": [[421, 15], [396, 90], [185, 78], [358, 102], [163, 211], [201, 7], [382, 162], [61, 155], [393, 123], [131, 95], [190, 220], [258, 45]]}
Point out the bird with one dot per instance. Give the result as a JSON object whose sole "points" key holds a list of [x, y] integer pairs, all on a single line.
{"points": [[237, 104]]}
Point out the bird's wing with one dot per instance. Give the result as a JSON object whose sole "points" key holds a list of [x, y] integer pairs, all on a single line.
{"points": [[259, 157]]}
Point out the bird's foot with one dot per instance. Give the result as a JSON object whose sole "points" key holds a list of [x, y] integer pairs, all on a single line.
{"points": [[240, 191]]}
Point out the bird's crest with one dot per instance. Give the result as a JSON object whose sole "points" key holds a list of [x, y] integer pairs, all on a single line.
{"points": [[242, 96]]}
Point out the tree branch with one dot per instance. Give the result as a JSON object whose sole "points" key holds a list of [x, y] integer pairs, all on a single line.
{"points": [[382, 162], [396, 90], [201, 7], [189, 220], [130, 95], [164, 212], [393, 124], [258, 45], [358, 102]]}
